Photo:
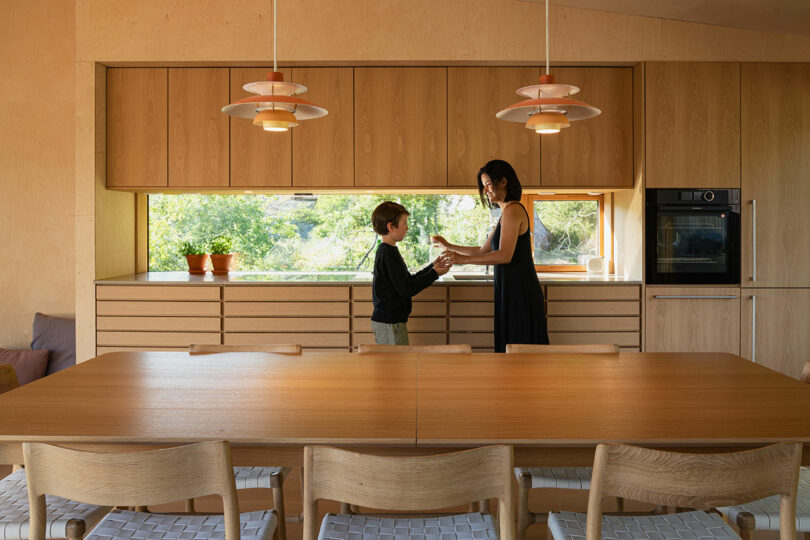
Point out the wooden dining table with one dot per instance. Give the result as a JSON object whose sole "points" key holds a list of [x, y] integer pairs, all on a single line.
{"points": [[554, 408]]}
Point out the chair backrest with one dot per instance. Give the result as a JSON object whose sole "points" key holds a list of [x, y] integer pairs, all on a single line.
{"points": [[410, 483], [543, 349], [215, 349], [376, 349], [130, 478], [805, 378], [699, 481], [8, 378]]}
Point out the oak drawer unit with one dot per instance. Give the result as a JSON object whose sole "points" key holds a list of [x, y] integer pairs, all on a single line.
{"points": [[593, 314], [471, 310], [427, 324], [156, 317], [316, 317]]}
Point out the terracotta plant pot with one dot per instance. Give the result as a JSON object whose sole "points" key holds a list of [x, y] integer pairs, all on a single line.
{"points": [[221, 263], [196, 263]]}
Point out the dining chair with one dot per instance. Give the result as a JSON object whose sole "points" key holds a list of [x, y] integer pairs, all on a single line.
{"points": [[255, 477], [143, 478], [8, 378], [528, 478], [700, 481], [216, 349], [376, 349], [412, 484], [763, 515]]}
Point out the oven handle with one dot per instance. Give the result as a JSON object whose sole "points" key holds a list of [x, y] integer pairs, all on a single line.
{"points": [[695, 296], [754, 240]]}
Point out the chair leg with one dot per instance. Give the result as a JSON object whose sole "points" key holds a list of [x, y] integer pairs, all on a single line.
{"points": [[483, 506], [278, 504], [190, 506], [619, 504], [344, 508], [524, 485], [141, 509], [75, 529], [747, 525]]}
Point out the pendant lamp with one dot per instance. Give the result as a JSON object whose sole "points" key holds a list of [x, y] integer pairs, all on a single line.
{"points": [[549, 107], [275, 108]]}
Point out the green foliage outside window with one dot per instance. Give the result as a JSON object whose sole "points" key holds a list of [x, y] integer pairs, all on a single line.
{"points": [[565, 231], [305, 233]]}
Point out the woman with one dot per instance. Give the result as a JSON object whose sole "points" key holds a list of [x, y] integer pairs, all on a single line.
{"points": [[519, 311]]}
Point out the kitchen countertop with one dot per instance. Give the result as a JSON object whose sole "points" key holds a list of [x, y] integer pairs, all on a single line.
{"points": [[330, 278]]}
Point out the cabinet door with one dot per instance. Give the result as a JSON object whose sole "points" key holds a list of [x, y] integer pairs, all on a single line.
{"points": [[693, 125], [775, 175], [475, 136], [401, 127], [198, 130], [597, 152], [258, 158], [136, 127], [774, 328], [332, 89], [693, 319]]}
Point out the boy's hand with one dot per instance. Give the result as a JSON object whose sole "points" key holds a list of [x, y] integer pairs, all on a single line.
{"points": [[442, 264]]}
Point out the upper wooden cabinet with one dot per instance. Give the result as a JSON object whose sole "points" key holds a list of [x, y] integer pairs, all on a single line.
{"points": [[323, 149], [198, 130], [775, 175], [693, 125], [475, 136], [258, 158], [400, 127], [597, 152], [136, 127]]}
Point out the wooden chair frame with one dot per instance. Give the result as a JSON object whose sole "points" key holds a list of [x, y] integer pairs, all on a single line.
{"points": [[378, 349], [700, 481], [8, 378], [130, 479], [557, 349], [216, 349], [409, 483]]}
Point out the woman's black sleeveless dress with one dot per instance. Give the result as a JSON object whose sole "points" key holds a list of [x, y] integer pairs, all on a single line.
{"points": [[519, 311]]}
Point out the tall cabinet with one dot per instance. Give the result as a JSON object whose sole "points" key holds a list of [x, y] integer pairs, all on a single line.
{"points": [[775, 140]]}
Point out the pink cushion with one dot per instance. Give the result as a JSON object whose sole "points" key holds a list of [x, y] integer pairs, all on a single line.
{"points": [[29, 365]]}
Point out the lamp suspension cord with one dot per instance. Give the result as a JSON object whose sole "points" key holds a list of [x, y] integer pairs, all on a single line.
{"points": [[275, 17], [546, 36]]}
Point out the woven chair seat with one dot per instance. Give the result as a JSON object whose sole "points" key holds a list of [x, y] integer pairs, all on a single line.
{"points": [[14, 510], [571, 525], [766, 511], [359, 527], [259, 477], [557, 477], [124, 524]]}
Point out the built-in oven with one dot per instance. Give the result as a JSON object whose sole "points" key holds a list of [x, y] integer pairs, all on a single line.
{"points": [[692, 236]]}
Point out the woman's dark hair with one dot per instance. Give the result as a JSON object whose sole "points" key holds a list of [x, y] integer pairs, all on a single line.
{"points": [[498, 169]]}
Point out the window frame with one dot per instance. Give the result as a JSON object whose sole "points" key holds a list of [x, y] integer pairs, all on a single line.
{"points": [[528, 202]]}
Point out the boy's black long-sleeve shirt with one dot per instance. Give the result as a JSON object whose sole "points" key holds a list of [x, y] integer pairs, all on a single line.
{"points": [[393, 286]]}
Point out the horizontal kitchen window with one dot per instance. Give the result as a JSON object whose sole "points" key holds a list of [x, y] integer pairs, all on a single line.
{"points": [[310, 233]]}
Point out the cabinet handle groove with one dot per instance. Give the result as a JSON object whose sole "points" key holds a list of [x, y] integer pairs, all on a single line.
{"points": [[696, 296], [753, 240], [754, 328]]}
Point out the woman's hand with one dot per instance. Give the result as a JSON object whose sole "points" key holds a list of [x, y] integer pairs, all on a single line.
{"points": [[454, 258], [439, 239]]}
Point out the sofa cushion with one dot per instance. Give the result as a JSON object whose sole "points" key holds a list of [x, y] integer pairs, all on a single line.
{"points": [[28, 365], [58, 336]]}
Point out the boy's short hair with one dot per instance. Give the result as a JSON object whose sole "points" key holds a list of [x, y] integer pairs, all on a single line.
{"points": [[385, 213]]}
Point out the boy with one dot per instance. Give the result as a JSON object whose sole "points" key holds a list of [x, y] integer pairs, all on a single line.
{"points": [[393, 286]]}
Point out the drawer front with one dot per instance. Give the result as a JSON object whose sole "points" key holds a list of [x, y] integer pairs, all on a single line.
{"points": [[593, 324], [429, 294], [158, 324], [471, 324], [156, 339], [280, 293], [156, 292], [622, 339], [471, 292], [157, 309], [415, 324], [303, 324], [420, 309], [308, 339], [592, 292], [414, 338], [593, 308], [481, 309], [473, 340], [286, 309]]}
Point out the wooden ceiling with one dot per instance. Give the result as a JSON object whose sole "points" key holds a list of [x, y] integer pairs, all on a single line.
{"points": [[782, 16]]}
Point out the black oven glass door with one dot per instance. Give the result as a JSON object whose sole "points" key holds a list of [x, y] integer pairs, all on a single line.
{"points": [[696, 246]]}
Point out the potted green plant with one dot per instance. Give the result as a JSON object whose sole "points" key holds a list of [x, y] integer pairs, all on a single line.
{"points": [[221, 256], [195, 256]]}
